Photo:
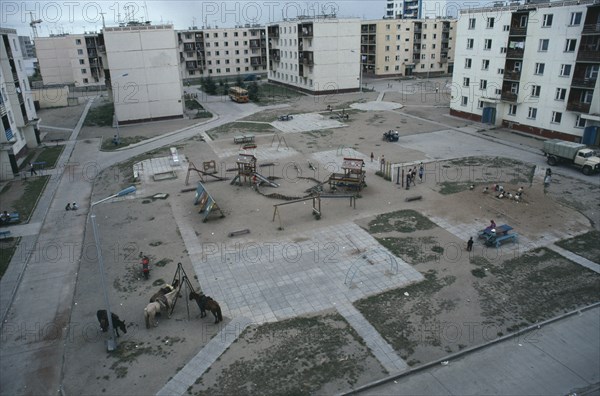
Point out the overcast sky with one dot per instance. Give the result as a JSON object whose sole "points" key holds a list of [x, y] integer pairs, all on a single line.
{"points": [[66, 16]]}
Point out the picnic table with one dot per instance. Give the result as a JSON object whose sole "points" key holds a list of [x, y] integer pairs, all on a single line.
{"points": [[500, 230], [499, 235]]}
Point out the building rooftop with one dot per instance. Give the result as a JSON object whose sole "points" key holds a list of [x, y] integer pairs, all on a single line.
{"points": [[531, 5]]}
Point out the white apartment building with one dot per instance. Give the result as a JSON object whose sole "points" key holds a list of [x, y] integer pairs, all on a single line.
{"points": [[404, 9], [532, 68], [403, 47], [317, 56], [70, 59], [19, 119], [143, 72], [224, 52]]}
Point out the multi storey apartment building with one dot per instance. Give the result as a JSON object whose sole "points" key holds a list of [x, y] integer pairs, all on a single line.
{"points": [[222, 52], [404, 9], [70, 59], [143, 72], [533, 68], [405, 47], [19, 119], [27, 47], [318, 55]]}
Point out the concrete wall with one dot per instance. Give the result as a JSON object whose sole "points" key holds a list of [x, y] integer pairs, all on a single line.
{"points": [[51, 97], [145, 75]]}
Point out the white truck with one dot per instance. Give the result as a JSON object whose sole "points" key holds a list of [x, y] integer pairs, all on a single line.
{"points": [[559, 151]]}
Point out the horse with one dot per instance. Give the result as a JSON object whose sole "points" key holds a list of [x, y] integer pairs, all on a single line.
{"points": [[117, 323], [164, 290], [165, 302], [205, 302]]}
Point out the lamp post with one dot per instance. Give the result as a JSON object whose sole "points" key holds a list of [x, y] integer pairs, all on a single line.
{"points": [[111, 344], [116, 118]]}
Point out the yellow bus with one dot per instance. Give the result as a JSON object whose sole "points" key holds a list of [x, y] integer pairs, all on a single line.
{"points": [[238, 94]]}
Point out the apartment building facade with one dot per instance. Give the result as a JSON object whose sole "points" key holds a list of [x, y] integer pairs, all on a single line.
{"points": [[143, 72], [315, 55], [404, 9], [225, 52], [71, 59], [27, 47], [532, 68], [19, 120], [404, 47]]}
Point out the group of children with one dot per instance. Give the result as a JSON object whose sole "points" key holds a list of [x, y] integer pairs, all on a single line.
{"points": [[411, 175], [72, 206]]}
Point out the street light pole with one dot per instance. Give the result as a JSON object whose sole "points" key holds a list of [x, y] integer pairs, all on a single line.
{"points": [[360, 76], [116, 118], [111, 344]]}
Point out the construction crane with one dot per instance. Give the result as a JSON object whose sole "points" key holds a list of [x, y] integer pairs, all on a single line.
{"points": [[33, 24]]}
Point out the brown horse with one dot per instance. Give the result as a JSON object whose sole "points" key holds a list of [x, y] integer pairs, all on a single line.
{"points": [[206, 303], [164, 290]]}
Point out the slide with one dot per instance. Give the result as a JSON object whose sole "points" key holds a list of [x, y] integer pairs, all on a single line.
{"points": [[265, 180]]}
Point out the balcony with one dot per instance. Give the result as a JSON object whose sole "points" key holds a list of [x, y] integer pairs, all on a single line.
{"points": [[307, 58], [580, 107], [256, 61], [191, 65], [273, 31], [9, 134], [254, 43], [515, 53], [583, 83], [588, 56], [2, 110], [509, 96], [275, 55], [593, 28], [189, 47], [518, 31], [514, 75], [306, 30]]}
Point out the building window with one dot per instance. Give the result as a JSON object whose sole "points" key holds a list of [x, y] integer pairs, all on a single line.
{"points": [[512, 110], [485, 64], [487, 44], [556, 117], [470, 43], [387, 59], [586, 97], [397, 48], [468, 62], [514, 88], [466, 81], [387, 48], [77, 41], [535, 91], [215, 35], [506, 28], [85, 80], [575, 19], [490, 23], [464, 100], [480, 104], [79, 52], [591, 72], [543, 45], [471, 23], [498, 91], [83, 71], [565, 70], [532, 113], [483, 84], [81, 61], [432, 56], [570, 45], [397, 37], [579, 122], [423, 46], [503, 50], [500, 71], [539, 68], [547, 22], [523, 21], [387, 37], [561, 94], [217, 53], [387, 68]]}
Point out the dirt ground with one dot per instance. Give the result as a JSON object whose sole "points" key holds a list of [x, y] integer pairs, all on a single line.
{"points": [[149, 357]]}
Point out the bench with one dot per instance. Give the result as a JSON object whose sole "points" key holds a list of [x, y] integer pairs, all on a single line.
{"points": [[4, 234], [243, 139], [12, 218], [174, 157], [501, 239]]}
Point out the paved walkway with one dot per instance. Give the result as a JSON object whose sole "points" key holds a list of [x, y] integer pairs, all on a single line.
{"points": [[576, 258], [559, 358]]}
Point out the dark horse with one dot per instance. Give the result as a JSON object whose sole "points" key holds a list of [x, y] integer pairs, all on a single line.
{"points": [[164, 290], [117, 323], [206, 303]]}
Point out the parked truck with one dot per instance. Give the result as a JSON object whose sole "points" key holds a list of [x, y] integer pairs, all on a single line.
{"points": [[559, 151]]}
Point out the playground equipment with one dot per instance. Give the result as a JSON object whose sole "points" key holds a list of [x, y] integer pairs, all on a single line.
{"points": [[316, 205], [182, 280], [246, 167], [211, 166], [206, 202], [353, 177]]}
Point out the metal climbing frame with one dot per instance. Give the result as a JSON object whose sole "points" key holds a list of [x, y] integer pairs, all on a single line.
{"points": [[182, 277]]}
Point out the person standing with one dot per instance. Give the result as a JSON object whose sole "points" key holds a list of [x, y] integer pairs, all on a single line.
{"points": [[372, 156], [413, 176], [32, 169], [421, 172], [470, 244]]}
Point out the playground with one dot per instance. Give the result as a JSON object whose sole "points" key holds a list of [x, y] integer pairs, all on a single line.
{"points": [[293, 226]]}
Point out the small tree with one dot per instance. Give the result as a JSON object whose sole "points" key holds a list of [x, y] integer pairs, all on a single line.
{"points": [[253, 94], [239, 82], [209, 86]]}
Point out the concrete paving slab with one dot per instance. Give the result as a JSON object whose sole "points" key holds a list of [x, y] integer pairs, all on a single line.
{"points": [[307, 122], [376, 106], [576, 258], [332, 160]]}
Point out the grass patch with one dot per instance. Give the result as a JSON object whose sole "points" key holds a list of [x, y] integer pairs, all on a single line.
{"points": [[585, 245], [401, 221], [240, 127], [413, 250], [49, 155], [299, 357], [108, 145], [272, 93], [478, 272], [33, 189], [100, 116], [7, 250], [192, 104]]}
